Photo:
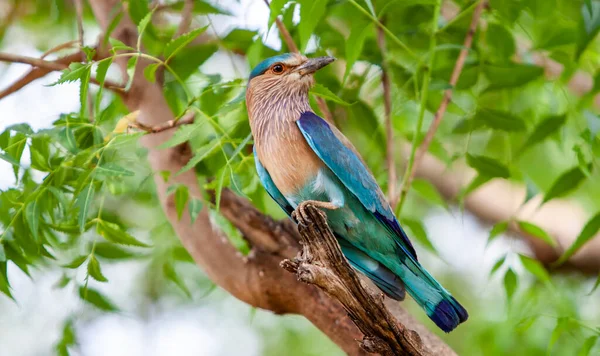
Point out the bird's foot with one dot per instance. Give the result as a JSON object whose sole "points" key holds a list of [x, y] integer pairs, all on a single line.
{"points": [[300, 213]]}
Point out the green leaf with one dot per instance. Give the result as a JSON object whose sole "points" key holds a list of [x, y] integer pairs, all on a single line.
{"points": [[84, 201], [323, 92], [497, 265], [500, 42], [596, 285], [2, 253], [144, 22], [419, 232], [500, 120], [311, 13], [497, 230], [200, 155], [150, 72], [181, 197], [32, 215], [175, 45], [591, 26], [4, 284], [275, 6], [113, 170], [76, 71], [561, 326], [511, 76], [194, 207], [582, 160], [117, 45], [96, 299], [94, 270], [535, 267], [172, 275], [487, 166], [428, 191], [543, 130], [111, 251], [587, 233], [510, 283], [113, 233], [355, 43], [183, 134], [565, 183], [536, 231], [76, 262], [588, 345], [10, 160]]}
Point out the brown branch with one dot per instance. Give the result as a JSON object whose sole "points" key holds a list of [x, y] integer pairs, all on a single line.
{"points": [[36, 62], [61, 47], [185, 120], [323, 264], [48, 66], [389, 130], [439, 114], [186, 18]]}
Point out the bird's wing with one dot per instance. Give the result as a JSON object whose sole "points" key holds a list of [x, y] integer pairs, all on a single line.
{"points": [[341, 158], [267, 182]]}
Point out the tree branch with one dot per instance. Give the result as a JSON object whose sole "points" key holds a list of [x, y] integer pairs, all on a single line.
{"points": [[186, 18], [43, 67], [439, 114], [255, 279], [185, 120], [389, 129], [323, 264]]}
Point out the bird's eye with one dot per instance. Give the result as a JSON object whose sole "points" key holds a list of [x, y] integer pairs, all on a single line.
{"points": [[277, 68]]}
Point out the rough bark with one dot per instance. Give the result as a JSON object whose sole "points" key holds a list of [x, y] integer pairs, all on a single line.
{"points": [[257, 278]]}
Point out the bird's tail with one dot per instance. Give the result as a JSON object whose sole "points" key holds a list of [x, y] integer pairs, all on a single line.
{"points": [[440, 306]]}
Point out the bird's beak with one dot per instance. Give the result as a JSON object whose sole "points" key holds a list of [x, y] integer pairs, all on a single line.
{"points": [[314, 64]]}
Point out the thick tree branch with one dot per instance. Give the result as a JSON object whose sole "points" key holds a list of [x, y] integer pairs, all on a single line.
{"points": [[323, 264], [439, 114]]}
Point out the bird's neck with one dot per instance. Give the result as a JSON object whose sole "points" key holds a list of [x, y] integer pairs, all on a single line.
{"points": [[274, 112]]}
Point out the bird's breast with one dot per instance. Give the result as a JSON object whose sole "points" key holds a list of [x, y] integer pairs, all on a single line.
{"points": [[288, 159]]}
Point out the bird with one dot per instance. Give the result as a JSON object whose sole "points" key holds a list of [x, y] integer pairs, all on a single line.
{"points": [[301, 158]]}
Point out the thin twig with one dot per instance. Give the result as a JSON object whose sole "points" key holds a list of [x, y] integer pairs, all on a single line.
{"points": [[439, 114], [60, 47], [42, 67], [186, 18], [424, 93], [291, 45], [387, 104], [185, 120], [36, 62]]}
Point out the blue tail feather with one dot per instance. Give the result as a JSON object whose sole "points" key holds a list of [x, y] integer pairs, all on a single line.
{"points": [[383, 278], [441, 307]]}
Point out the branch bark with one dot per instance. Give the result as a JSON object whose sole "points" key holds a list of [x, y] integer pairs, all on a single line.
{"points": [[323, 264], [257, 278]]}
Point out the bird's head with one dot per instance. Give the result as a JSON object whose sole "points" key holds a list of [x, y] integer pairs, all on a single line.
{"points": [[290, 72]]}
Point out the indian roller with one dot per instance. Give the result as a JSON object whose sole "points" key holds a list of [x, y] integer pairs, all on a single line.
{"points": [[302, 158]]}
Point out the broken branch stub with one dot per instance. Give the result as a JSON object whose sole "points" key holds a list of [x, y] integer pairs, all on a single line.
{"points": [[322, 263]]}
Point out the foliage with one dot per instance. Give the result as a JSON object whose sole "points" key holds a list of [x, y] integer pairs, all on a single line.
{"points": [[507, 120]]}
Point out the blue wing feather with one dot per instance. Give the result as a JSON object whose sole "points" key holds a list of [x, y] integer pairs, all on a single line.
{"points": [[382, 276], [270, 187], [351, 171]]}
